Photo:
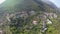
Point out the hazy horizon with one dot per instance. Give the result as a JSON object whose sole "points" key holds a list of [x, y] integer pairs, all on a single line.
{"points": [[56, 2]]}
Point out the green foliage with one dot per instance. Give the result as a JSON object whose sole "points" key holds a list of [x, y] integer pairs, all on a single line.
{"points": [[24, 26], [52, 30]]}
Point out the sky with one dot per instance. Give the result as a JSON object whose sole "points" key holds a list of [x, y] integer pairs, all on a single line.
{"points": [[56, 2], [1, 1]]}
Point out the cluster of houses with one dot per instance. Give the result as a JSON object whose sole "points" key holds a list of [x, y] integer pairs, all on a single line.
{"points": [[51, 15], [43, 17], [23, 13], [45, 20]]}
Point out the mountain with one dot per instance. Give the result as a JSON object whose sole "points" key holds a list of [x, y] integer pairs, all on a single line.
{"points": [[29, 17], [50, 3], [8, 5], [12, 6]]}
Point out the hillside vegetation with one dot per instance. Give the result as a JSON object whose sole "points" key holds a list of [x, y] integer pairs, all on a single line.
{"points": [[29, 17]]}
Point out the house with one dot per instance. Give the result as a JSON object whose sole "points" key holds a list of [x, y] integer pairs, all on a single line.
{"points": [[1, 32], [35, 22], [44, 27], [49, 22], [55, 15], [32, 12]]}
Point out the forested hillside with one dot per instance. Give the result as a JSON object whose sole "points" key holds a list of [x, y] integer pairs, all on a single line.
{"points": [[29, 17]]}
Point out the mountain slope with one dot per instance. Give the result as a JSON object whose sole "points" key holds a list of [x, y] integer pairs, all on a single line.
{"points": [[29, 17], [12, 6], [21, 4]]}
